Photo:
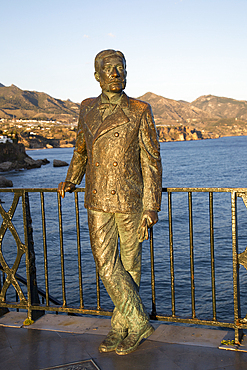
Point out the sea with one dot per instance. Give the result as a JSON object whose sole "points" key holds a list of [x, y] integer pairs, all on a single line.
{"points": [[206, 163]]}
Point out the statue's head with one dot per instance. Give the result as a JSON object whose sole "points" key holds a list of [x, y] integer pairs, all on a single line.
{"points": [[110, 70]]}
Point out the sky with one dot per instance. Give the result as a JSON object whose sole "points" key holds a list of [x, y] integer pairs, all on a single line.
{"points": [[179, 49]]}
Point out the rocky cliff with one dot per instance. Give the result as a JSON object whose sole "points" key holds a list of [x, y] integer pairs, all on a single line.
{"points": [[183, 133], [14, 157]]}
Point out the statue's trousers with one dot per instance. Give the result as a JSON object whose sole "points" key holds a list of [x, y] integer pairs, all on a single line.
{"points": [[120, 274]]}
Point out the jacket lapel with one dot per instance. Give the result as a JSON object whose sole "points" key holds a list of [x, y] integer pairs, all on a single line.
{"points": [[116, 119], [93, 117]]}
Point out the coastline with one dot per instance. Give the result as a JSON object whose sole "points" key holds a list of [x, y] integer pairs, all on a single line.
{"points": [[44, 148], [161, 141]]}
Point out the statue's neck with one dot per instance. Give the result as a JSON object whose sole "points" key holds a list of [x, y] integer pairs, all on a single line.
{"points": [[111, 95]]}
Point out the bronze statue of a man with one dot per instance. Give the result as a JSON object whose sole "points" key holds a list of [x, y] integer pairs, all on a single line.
{"points": [[118, 149]]}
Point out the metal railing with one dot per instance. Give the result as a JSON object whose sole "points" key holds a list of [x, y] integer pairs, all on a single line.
{"points": [[29, 299]]}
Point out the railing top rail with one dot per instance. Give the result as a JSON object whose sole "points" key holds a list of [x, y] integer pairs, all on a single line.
{"points": [[35, 190], [164, 190], [204, 190]]}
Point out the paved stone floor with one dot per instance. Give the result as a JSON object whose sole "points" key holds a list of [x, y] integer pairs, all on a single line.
{"points": [[56, 340]]}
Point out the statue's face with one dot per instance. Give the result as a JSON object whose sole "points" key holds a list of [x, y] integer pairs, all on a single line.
{"points": [[112, 74]]}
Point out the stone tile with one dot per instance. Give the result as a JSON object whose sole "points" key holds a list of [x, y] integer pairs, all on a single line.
{"points": [[100, 327], [17, 336], [203, 358], [191, 336], [3, 339], [13, 319], [148, 356], [72, 324], [64, 323], [90, 343], [10, 364], [39, 349], [30, 349], [5, 353]]}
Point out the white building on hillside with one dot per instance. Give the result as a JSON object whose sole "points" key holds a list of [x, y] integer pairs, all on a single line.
{"points": [[4, 139]]}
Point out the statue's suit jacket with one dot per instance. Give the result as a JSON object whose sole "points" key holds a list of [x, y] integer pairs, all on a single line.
{"points": [[120, 156]]}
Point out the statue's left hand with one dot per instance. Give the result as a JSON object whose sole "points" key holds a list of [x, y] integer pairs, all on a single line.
{"points": [[65, 186], [149, 218]]}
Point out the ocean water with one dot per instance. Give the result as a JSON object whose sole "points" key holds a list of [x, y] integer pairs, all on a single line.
{"points": [[208, 163]]}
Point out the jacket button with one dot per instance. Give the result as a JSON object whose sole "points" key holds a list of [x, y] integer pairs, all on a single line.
{"points": [[115, 164], [113, 192], [116, 134], [97, 164], [94, 191]]}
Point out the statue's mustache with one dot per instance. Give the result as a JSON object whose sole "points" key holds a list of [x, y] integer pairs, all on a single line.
{"points": [[119, 79]]}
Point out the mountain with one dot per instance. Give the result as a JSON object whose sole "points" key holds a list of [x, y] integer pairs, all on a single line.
{"points": [[34, 105], [39, 105], [167, 110], [215, 106], [206, 117], [206, 107], [209, 115]]}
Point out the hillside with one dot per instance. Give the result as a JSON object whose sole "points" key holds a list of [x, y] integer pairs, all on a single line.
{"points": [[168, 110], [215, 106], [40, 134], [206, 117], [205, 107], [213, 116], [35, 105]]}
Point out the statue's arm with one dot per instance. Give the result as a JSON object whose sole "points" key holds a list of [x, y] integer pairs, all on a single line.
{"points": [[77, 167], [151, 173]]}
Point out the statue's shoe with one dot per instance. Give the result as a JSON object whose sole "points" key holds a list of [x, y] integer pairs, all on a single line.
{"points": [[112, 340], [131, 342]]}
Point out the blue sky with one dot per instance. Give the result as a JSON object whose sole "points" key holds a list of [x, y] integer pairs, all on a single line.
{"points": [[180, 49]]}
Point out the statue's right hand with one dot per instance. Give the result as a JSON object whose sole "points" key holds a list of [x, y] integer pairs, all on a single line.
{"points": [[65, 186]]}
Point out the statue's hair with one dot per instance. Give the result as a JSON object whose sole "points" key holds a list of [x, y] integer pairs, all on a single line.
{"points": [[106, 53]]}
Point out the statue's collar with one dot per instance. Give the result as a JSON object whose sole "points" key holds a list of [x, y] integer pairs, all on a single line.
{"points": [[122, 100]]}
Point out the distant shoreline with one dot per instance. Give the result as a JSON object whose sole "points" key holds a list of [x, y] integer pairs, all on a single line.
{"points": [[58, 147], [161, 141], [171, 141]]}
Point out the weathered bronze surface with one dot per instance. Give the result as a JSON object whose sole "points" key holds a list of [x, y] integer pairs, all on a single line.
{"points": [[117, 149]]}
